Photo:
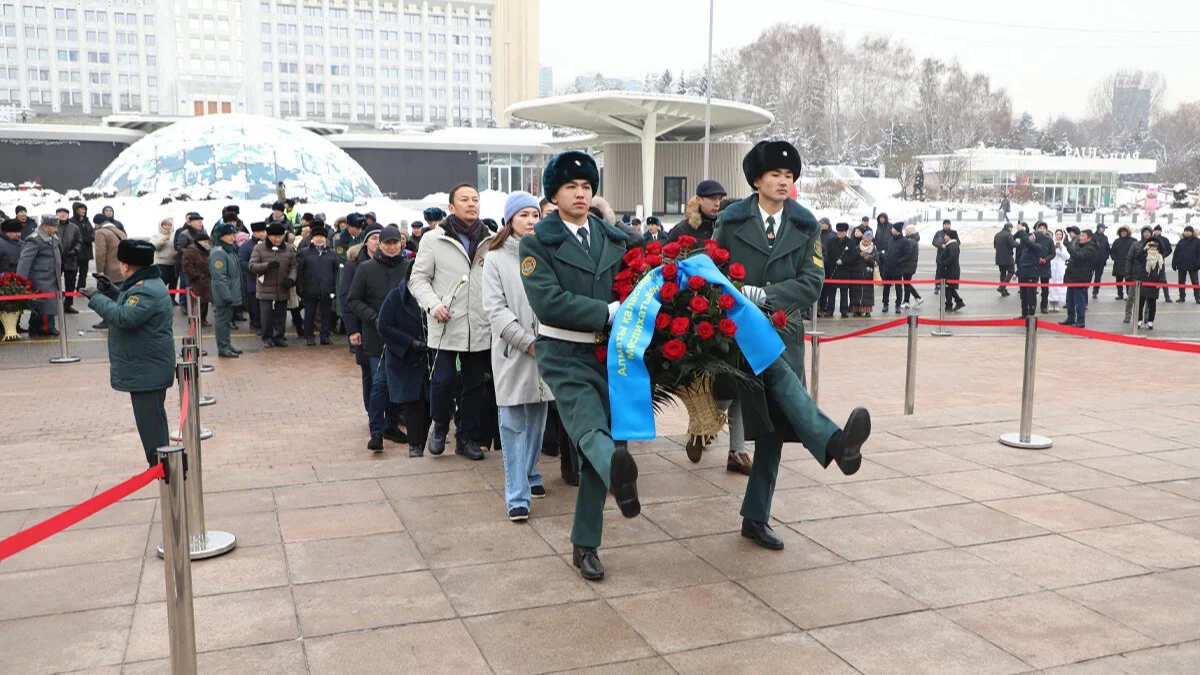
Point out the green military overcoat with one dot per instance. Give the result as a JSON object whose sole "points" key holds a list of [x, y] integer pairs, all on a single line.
{"points": [[141, 341], [791, 274], [568, 289], [226, 276]]}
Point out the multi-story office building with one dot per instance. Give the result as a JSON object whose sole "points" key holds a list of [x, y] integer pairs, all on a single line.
{"points": [[443, 63]]}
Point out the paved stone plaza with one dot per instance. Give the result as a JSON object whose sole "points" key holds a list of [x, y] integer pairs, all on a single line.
{"points": [[947, 553]]}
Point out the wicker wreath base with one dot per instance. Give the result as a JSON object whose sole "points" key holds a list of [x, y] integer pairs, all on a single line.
{"points": [[705, 419]]}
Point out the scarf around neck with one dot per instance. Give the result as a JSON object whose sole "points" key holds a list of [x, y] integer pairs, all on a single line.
{"points": [[231, 249], [474, 234], [1154, 262]]}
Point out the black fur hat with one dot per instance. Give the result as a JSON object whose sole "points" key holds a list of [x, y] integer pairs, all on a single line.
{"points": [[768, 156], [843, 227], [569, 166], [136, 252], [276, 229]]}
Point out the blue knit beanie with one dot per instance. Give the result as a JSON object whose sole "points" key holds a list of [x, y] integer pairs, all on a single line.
{"points": [[517, 202]]}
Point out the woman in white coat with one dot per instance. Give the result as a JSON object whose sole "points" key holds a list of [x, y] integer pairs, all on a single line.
{"points": [[521, 396], [1058, 268]]}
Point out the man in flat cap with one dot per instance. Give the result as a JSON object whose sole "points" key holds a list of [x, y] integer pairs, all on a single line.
{"points": [[568, 265], [700, 214], [141, 342], [778, 242]]}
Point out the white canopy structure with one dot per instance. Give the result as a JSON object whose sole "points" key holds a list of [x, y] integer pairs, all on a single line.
{"points": [[625, 116]]}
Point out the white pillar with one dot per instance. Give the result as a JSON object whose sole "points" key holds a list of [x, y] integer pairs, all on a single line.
{"points": [[649, 133]]}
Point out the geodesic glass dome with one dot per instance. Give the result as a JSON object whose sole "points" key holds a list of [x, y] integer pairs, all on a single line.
{"points": [[237, 156]]}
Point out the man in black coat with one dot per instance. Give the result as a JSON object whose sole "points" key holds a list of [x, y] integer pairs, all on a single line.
{"points": [[883, 235], [828, 291], [1164, 247], [1119, 254], [1044, 271], [1005, 244], [700, 213], [72, 244], [373, 280], [1102, 251], [897, 257], [939, 238], [834, 269], [1080, 268], [316, 274], [1187, 262], [1033, 252], [950, 270], [653, 231], [87, 238]]}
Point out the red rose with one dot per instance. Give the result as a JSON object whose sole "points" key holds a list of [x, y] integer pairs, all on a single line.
{"points": [[668, 291], [779, 319], [728, 327], [727, 302], [674, 349], [737, 272], [672, 250], [669, 270], [705, 330], [696, 283], [623, 275], [632, 256], [638, 267], [662, 321], [623, 291], [699, 304], [687, 241], [680, 325], [653, 260], [602, 354], [653, 248], [710, 246], [720, 256]]}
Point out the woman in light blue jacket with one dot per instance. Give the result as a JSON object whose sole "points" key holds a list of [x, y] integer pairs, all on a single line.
{"points": [[521, 396]]}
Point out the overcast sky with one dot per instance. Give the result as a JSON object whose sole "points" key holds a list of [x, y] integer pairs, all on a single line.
{"points": [[1046, 53]]}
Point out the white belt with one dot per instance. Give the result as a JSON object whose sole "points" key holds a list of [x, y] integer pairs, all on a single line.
{"points": [[579, 336]]}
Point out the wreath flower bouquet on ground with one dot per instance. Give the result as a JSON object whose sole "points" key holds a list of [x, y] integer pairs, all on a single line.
{"points": [[683, 323], [13, 284]]}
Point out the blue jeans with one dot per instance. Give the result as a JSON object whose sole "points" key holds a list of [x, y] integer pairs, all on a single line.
{"points": [[521, 429], [379, 410], [1076, 305]]}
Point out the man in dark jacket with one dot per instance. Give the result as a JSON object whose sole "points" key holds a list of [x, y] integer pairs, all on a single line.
{"points": [[317, 276], [258, 232], [901, 249], [1033, 251], [828, 290], [274, 260], [110, 216], [653, 231], [950, 270], [1044, 270], [1080, 268], [883, 235], [28, 225], [141, 341], [1164, 247], [87, 237], [1005, 244], [373, 280], [835, 269], [700, 214], [1102, 251], [1119, 254], [72, 244], [1187, 262], [10, 246], [184, 237], [939, 238]]}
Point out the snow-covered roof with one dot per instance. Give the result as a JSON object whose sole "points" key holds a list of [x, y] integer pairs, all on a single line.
{"points": [[1001, 159], [527, 141]]}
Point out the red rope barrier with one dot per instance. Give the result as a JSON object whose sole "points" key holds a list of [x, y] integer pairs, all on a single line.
{"points": [[183, 408], [72, 294], [43, 530], [867, 331], [979, 323], [1120, 339]]}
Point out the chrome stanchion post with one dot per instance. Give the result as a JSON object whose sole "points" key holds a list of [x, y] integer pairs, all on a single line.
{"points": [[177, 570], [1025, 438], [910, 374], [190, 353], [814, 330], [64, 356], [197, 355], [814, 382], [1137, 301], [941, 330]]}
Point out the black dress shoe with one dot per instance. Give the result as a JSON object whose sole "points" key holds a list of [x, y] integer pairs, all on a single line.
{"points": [[845, 447], [395, 435], [326, 341], [280, 342], [235, 350], [375, 444], [71, 310], [762, 534], [468, 449], [416, 451], [267, 344], [623, 479], [227, 355], [588, 562]]}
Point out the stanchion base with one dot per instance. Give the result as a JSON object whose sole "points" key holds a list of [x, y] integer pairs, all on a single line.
{"points": [[207, 400], [815, 333], [207, 368], [205, 434], [941, 333], [1035, 442], [211, 545], [64, 359]]}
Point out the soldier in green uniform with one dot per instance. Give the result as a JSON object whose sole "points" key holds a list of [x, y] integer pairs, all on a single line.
{"points": [[778, 242], [353, 234], [141, 342], [568, 268], [226, 284]]}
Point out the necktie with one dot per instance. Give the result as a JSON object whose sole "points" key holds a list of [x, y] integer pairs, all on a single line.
{"points": [[583, 239], [771, 231]]}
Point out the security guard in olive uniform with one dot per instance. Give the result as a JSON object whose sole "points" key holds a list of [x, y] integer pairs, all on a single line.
{"points": [[568, 268], [141, 342], [778, 241], [226, 284], [353, 234]]}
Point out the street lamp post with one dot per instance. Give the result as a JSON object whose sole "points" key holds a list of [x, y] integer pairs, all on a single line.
{"points": [[708, 84]]}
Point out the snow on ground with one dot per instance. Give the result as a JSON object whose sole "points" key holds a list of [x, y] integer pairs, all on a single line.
{"points": [[141, 215]]}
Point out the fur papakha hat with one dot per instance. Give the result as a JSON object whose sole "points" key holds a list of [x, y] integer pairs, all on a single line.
{"points": [[569, 166], [768, 156]]}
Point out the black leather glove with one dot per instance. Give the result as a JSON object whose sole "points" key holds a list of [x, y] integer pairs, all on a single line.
{"points": [[273, 265], [418, 345], [289, 282], [105, 286], [89, 292]]}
